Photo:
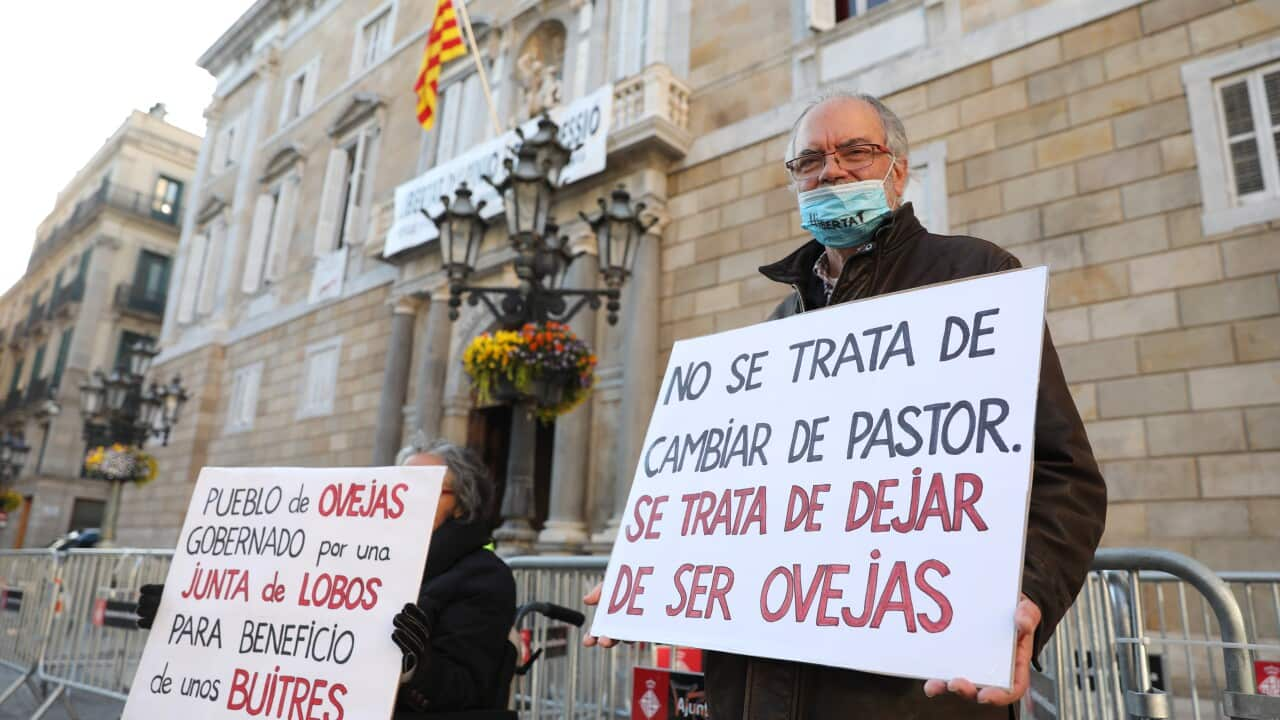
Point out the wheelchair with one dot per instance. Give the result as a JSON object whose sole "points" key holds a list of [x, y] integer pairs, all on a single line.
{"points": [[512, 666]]}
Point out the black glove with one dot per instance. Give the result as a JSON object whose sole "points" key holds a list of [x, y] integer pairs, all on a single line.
{"points": [[412, 635], [148, 603]]}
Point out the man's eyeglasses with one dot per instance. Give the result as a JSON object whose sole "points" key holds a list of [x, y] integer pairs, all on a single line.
{"points": [[850, 158]]}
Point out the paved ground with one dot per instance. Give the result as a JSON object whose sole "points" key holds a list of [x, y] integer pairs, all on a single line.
{"points": [[23, 703]]}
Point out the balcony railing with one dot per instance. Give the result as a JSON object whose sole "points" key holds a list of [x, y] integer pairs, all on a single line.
{"points": [[133, 302], [652, 106], [136, 202]]}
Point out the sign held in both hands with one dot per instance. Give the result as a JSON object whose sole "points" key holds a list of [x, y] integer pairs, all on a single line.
{"points": [[847, 487], [280, 597]]}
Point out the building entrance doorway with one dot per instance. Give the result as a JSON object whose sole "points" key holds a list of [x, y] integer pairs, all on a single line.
{"points": [[489, 434]]}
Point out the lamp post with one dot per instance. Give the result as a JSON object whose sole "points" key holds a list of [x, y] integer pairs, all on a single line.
{"points": [[542, 259], [121, 407]]}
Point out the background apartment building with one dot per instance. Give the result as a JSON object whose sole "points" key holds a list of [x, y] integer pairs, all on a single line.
{"points": [[1126, 144], [95, 284]]}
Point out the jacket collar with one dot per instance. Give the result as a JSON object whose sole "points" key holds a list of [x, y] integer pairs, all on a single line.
{"points": [[452, 541], [797, 268]]}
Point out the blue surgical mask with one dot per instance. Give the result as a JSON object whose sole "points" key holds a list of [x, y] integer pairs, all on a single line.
{"points": [[844, 216]]}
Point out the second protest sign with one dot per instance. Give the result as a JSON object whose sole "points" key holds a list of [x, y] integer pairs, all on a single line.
{"points": [[846, 487], [280, 597]]}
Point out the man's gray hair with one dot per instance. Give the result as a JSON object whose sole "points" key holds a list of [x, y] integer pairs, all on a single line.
{"points": [[472, 485], [895, 134]]}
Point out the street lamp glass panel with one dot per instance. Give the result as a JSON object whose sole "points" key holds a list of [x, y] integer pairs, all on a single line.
{"points": [[91, 396], [148, 404], [18, 456], [174, 398], [550, 154], [527, 196], [117, 391], [140, 356], [461, 232]]}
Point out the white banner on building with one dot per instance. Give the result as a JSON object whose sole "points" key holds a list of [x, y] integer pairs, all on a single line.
{"points": [[846, 487], [281, 594], [583, 122]]}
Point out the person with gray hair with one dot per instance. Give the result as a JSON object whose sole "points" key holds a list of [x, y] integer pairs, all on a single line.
{"points": [[847, 160], [454, 638]]}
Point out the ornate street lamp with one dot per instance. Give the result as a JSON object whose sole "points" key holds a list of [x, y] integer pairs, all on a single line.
{"points": [[542, 263], [123, 408], [618, 230]]}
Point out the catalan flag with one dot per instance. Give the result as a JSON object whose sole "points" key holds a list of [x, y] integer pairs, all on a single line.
{"points": [[444, 43]]}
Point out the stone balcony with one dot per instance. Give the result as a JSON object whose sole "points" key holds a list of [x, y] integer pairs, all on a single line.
{"points": [[651, 108]]}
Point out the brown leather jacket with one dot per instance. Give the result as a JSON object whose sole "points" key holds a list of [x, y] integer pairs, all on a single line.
{"points": [[1068, 496]]}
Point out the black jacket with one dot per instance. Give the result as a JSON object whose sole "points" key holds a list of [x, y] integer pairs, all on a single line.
{"points": [[470, 594], [1068, 496]]}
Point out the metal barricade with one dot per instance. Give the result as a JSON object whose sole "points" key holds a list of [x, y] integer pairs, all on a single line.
{"points": [[1154, 634], [93, 643], [27, 597], [582, 682]]}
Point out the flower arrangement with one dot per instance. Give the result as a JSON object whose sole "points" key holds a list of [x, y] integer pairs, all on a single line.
{"points": [[10, 500], [544, 361], [120, 462]]}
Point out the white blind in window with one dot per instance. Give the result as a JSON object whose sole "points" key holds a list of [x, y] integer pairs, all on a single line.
{"points": [[258, 235], [212, 262], [191, 277], [335, 178]]}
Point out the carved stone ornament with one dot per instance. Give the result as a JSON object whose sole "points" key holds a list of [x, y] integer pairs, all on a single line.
{"points": [[539, 69]]}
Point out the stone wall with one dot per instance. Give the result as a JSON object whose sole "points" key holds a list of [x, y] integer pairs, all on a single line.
{"points": [[1073, 152]]}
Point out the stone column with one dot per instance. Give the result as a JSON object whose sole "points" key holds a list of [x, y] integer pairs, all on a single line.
{"points": [[639, 374], [566, 526], [433, 360], [395, 384], [516, 536]]}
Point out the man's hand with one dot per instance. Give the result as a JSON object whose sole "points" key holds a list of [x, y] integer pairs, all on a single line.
{"points": [[1026, 618], [592, 598]]}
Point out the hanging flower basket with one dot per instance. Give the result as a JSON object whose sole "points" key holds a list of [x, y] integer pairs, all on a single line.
{"points": [[10, 500], [122, 463], [544, 364]]}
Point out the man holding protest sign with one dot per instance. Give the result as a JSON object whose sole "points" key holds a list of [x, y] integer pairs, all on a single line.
{"points": [[848, 162]]}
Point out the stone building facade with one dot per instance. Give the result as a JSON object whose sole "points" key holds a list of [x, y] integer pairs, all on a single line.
{"points": [[1126, 144], [96, 282]]}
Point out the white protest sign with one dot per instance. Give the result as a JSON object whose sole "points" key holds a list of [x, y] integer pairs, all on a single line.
{"points": [[847, 487], [280, 597], [584, 122]]}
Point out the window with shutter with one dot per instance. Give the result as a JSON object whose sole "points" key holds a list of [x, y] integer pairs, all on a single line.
{"points": [[320, 378], [927, 186], [360, 154], [242, 406], [191, 277], [1234, 103], [332, 198], [282, 228], [64, 346], [215, 249], [372, 38], [259, 233]]}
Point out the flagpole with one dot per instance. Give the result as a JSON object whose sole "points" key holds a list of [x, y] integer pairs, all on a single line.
{"points": [[475, 53]]}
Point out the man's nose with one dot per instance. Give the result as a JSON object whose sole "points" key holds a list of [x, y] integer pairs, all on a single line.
{"points": [[832, 172]]}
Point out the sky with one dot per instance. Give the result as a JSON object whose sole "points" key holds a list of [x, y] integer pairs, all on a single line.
{"points": [[73, 70]]}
